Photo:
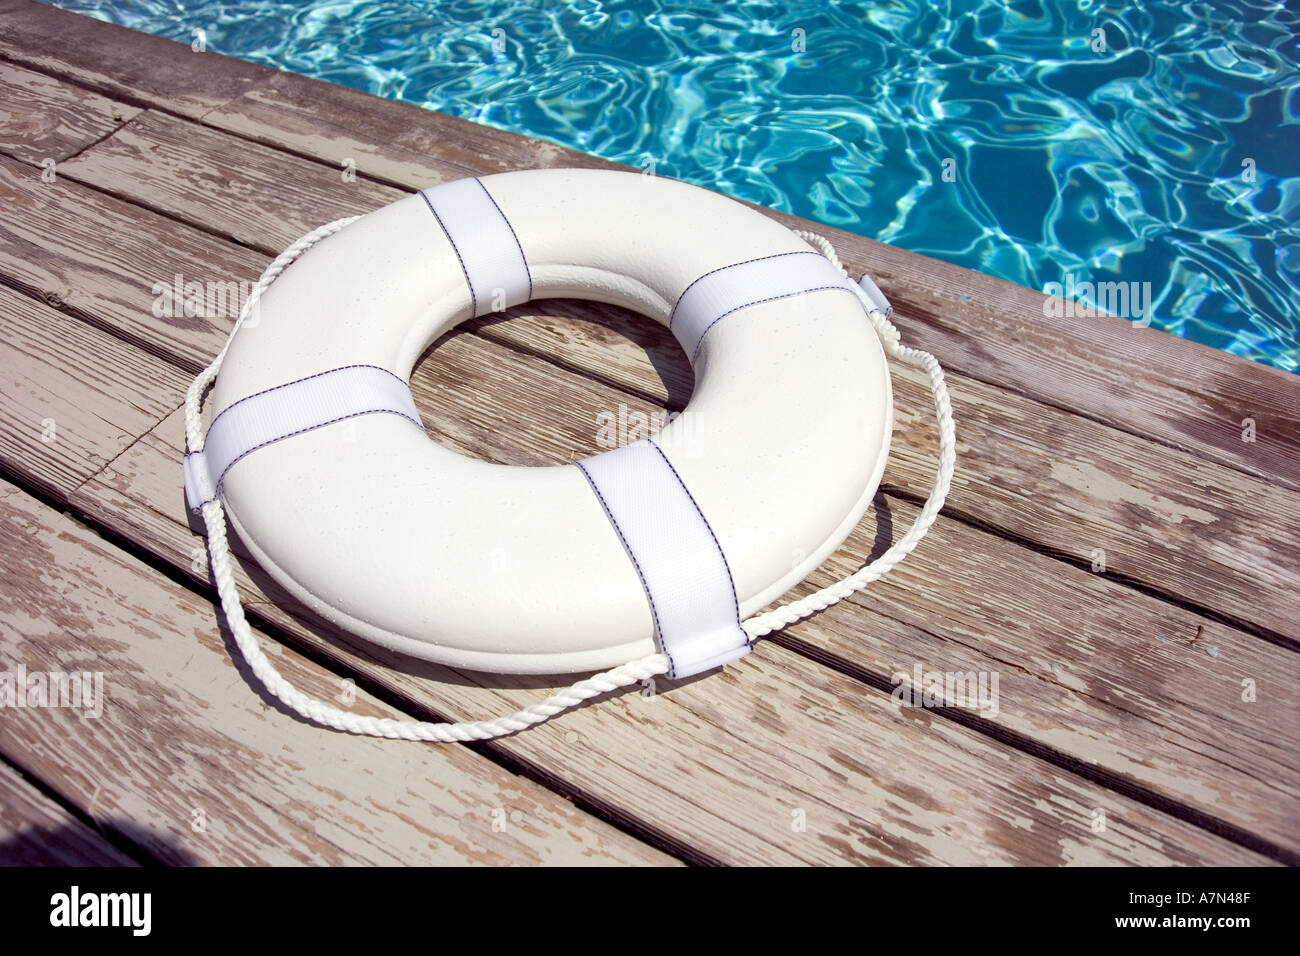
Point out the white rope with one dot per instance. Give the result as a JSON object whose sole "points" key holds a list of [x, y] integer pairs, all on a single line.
{"points": [[214, 517], [822, 243], [194, 397], [787, 614]]}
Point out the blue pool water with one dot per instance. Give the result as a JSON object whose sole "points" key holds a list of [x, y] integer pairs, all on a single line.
{"points": [[1043, 141]]}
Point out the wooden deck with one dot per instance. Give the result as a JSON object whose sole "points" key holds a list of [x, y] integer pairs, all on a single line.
{"points": [[1147, 711]]}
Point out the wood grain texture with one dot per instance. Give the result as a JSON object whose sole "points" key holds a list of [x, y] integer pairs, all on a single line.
{"points": [[1187, 707], [36, 831], [1140, 380], [1194, 529], [73, 397], [478, 413], [1192, 741], [381, 137], [187, 763], [724, 764], [128, 64], [169, 164], [46, 119], [1188, 396], [684, 763], [54, 245]]}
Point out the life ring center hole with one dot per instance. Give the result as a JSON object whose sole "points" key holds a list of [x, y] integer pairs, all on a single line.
{"points": [[550, 382]]}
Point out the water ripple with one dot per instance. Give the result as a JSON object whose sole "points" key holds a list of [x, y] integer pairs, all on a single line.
{"points": [[998, 136]]}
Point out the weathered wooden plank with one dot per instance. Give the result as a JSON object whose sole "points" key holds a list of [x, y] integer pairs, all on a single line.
{"points": [[73, 397], [50, 246], [1191, 528], [1077, 714], [1140, 380], [1185, 706], [476, 421], [382, 138], [44, 119], [36, 831], [134, 66], [1188, 396], [171, 153], [197, 770]]}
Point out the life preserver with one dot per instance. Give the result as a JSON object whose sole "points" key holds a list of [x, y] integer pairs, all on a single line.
{"points": [[318, 457]]}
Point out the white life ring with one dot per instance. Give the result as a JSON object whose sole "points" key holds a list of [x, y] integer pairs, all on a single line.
{"points": [[663, 546]]}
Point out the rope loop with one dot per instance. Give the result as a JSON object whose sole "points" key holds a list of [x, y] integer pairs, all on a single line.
{"points": [[625, 675]]}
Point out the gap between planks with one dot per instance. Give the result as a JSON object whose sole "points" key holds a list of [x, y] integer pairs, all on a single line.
{"points": [[411, 708], [234, 82], [177, 720], [567, 753], [136, 475], [38, 829], [1216, 571], [1047, 546]]}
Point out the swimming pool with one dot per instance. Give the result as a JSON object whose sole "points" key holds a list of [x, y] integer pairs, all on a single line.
{"points": [[1059, 144]]}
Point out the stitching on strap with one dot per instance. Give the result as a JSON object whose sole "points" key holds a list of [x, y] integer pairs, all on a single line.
{"points": [[772, 298], [473, 299], [509, 226], [654, 612], [673, 316], [722, 554], [312, 428], [276, 388]]}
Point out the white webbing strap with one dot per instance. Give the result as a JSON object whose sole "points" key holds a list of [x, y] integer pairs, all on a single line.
{"points": [[681, 565], [485, 243], [214, 518], [291, 409], [717, 294]]}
